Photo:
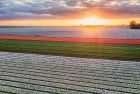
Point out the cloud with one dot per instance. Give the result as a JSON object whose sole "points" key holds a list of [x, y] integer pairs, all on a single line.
{"points": [[16, 9]]}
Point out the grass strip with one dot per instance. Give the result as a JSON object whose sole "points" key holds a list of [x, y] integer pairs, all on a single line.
{"points": [[86, 50]]}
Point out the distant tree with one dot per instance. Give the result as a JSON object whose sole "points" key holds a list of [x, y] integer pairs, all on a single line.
{"points": [[132, 24]]}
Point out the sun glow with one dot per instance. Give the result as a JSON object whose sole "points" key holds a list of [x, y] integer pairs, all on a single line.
{"points": [[91, 21]]}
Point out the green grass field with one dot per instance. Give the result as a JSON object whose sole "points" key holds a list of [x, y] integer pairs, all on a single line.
{"points": [[87, 50]]}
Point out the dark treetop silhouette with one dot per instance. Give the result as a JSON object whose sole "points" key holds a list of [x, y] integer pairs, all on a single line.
{"points": [[133, 25]]}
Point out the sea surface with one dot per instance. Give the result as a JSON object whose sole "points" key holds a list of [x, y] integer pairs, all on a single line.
{"points": [[75, 32]]}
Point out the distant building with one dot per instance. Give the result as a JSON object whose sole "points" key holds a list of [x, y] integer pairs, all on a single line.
{"points": [[134, 25]]}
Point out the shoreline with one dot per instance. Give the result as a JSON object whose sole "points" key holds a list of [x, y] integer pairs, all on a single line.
{"points": [[81, 40]]}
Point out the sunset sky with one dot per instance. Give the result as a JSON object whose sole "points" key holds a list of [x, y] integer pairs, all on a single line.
{"points": [[68, 12]]}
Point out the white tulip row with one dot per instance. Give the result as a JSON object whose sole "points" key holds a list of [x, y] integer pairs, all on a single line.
{"points": [[46, 74]]}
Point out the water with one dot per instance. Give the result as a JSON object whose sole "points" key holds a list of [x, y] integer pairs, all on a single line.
{"points": [[75, 32]]}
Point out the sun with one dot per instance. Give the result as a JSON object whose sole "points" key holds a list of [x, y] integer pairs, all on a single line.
{"points": [[91, 21]]}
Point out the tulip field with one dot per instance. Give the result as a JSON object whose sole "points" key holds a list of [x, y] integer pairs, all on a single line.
{"points": [[46, 74]]}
